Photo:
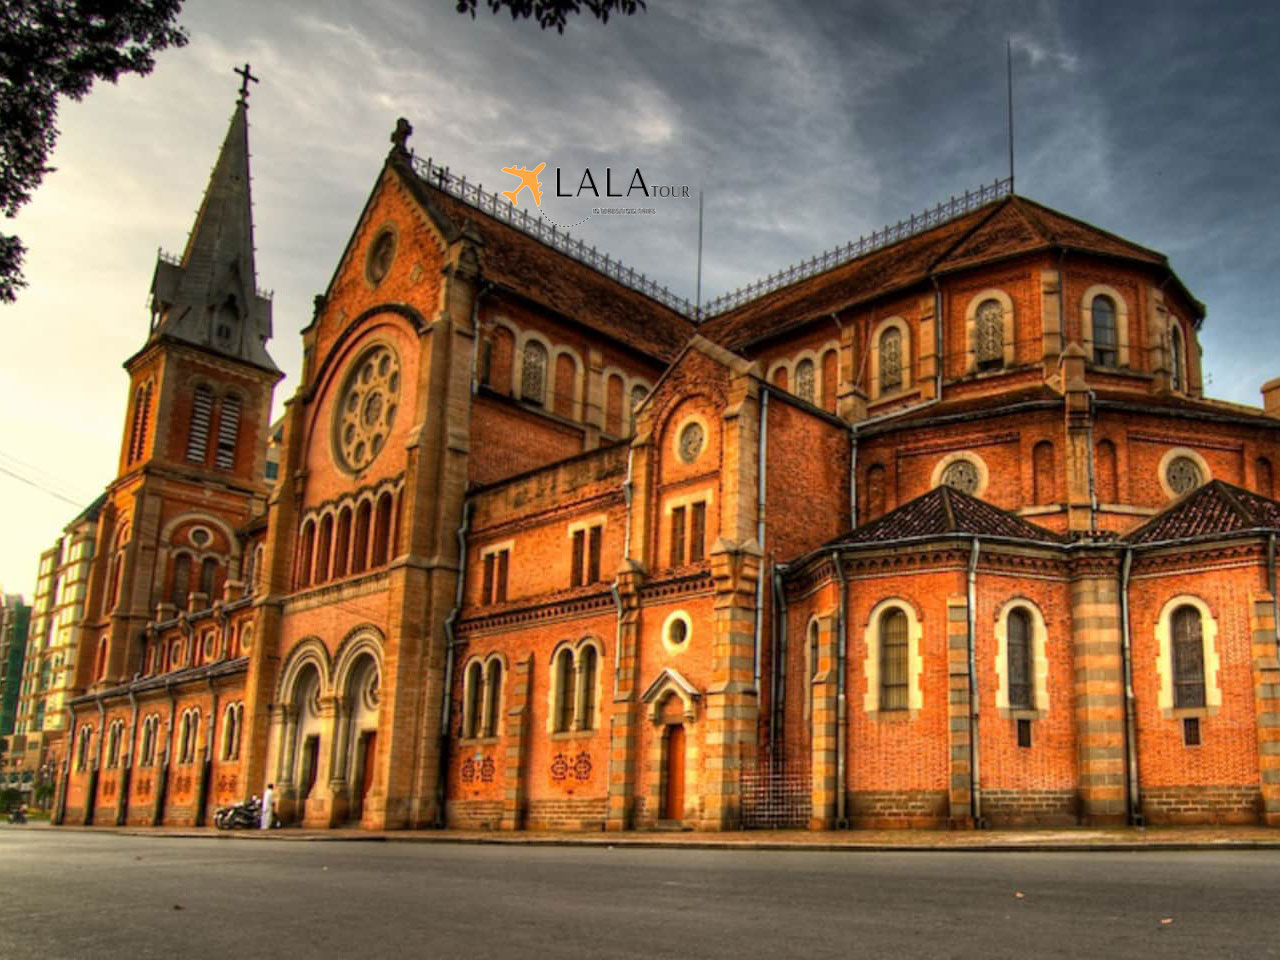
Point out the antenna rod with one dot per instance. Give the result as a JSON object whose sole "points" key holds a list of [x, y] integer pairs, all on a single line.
{"points": [[697, 310], [1008, 50]]}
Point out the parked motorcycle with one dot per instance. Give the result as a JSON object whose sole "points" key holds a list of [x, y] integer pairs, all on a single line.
{"points": [[18, 815], [242, 816]]}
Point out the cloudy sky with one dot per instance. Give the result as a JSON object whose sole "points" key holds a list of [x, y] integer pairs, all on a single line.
{"points": [[807, 124]]}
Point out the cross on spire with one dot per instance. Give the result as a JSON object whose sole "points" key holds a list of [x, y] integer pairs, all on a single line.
{"points": [[245, 76]]}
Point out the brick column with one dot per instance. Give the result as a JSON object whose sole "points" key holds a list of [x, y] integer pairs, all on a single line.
{"points": [[514, 745], [733, 706], [823, 724], [1051, 319], [625, 715], [959, 729], [927, 338], [1079, 452], [1099, 691], [1266, 705]]}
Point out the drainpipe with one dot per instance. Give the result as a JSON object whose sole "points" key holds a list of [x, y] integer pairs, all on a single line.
{"points": [[975, 778], [779, 653], [475, 330], [760, 506], [206, 766], [450, 657], [842, 720], [1271, 578], [937, 336], [126, 770], [1130, 733], [853, 477], [162, 781], [613, 587]]}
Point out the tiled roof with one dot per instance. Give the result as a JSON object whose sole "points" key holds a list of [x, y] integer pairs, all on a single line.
{"points": [[944, 511], [530, 268], [1214, 508], [1005, 228]]}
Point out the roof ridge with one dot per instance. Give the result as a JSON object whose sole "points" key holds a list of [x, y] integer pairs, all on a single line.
{"points": [[965, 237], [946, 491], [1228, 494]]}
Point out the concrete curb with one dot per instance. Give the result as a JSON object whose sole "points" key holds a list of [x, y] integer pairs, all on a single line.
{"points": [[632, 841]]}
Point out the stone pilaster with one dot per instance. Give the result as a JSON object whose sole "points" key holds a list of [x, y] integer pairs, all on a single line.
{"points": [[927, 338], [1266, 705], [823, 720], [625, 715], [1158, 352], [959, 725], [1099, 690], [1051, 320], [515, 746], [732, 710]]}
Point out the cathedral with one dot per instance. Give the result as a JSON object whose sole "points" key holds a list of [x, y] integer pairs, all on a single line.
{"points": [[935, 530]]}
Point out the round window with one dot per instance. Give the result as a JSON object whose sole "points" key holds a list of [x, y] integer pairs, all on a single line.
{"points": [[678, 632], [1183, 475], [692, 439], [200, 536], [246, 639], [381, 252], [366, 408], [961, 475]]}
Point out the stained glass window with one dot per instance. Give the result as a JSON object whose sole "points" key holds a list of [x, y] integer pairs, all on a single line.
{"points": [[1188, 658], [890, 360], [989, 335]]}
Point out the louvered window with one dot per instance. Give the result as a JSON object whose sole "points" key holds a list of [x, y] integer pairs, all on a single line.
{"points": [[890, 360], [1020, 689], [201, 417], [1188, 658], [697, 532], [228, 430], [893, 661], [677, 537], [989, 335], [181, 581], [473, 706]]}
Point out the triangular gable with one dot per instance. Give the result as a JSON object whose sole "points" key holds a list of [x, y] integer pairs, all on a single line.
{"points": [[1213, 509]]}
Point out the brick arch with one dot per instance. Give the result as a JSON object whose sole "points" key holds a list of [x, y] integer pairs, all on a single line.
{"points": [[308, 652]]}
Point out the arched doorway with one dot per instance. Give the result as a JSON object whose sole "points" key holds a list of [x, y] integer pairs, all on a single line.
{"points": [[673, 773], [360, 747], [303, 768]]}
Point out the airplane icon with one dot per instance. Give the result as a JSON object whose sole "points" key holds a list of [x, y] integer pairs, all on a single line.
{"points": [[528, 178]]}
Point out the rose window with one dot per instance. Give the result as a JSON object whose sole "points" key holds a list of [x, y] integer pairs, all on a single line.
{"points": [[961, 475], [367, 408], [691, 438], [1183, 475]]}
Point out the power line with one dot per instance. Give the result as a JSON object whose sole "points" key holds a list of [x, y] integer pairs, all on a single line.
{"points": [[41, 487]]}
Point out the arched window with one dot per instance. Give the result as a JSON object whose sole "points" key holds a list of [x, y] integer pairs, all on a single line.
{"points": [[988, 334], [82, 748], [1108, 479], [587, 666], [805, 380], [1021, 681], [473, 700], [382, 530], [113, 583], [565, 385], [208, 578], [492, 697], [564, 691], [228, 431], [1265, 477], [894, 680], [890, 360], [113, 743], [780, 378], [360, 551], [1042, 478], [305, 551], [201, 417], [1105, 350], [231, 720], [181, 584], [141, 413], [147, 753], [533, 373], [101, 672], [324, 544], [830, 380], [613, 406], [342, 543], [1188, 658]]}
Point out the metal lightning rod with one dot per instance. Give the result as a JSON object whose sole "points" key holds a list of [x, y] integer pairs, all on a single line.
{"points": [[697, 310], [1008, 52]]}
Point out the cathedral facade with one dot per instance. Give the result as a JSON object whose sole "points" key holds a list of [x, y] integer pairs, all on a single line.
{"points": [[939, 530]]}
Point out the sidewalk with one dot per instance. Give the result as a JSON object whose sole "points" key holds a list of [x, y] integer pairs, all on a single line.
{"points": [[1055, 840]]}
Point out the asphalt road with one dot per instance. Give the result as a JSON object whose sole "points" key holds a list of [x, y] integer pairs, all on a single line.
{"points": [[72, 894]]}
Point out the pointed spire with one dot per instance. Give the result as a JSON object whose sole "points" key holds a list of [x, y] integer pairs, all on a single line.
{"points": [[209, 297]]}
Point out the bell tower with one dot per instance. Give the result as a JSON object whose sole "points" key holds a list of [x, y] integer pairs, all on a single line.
{"points": [[192, 462]]}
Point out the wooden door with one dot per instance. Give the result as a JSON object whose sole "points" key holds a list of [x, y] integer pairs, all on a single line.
{"points": [[673, 806], [368, 748]]}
